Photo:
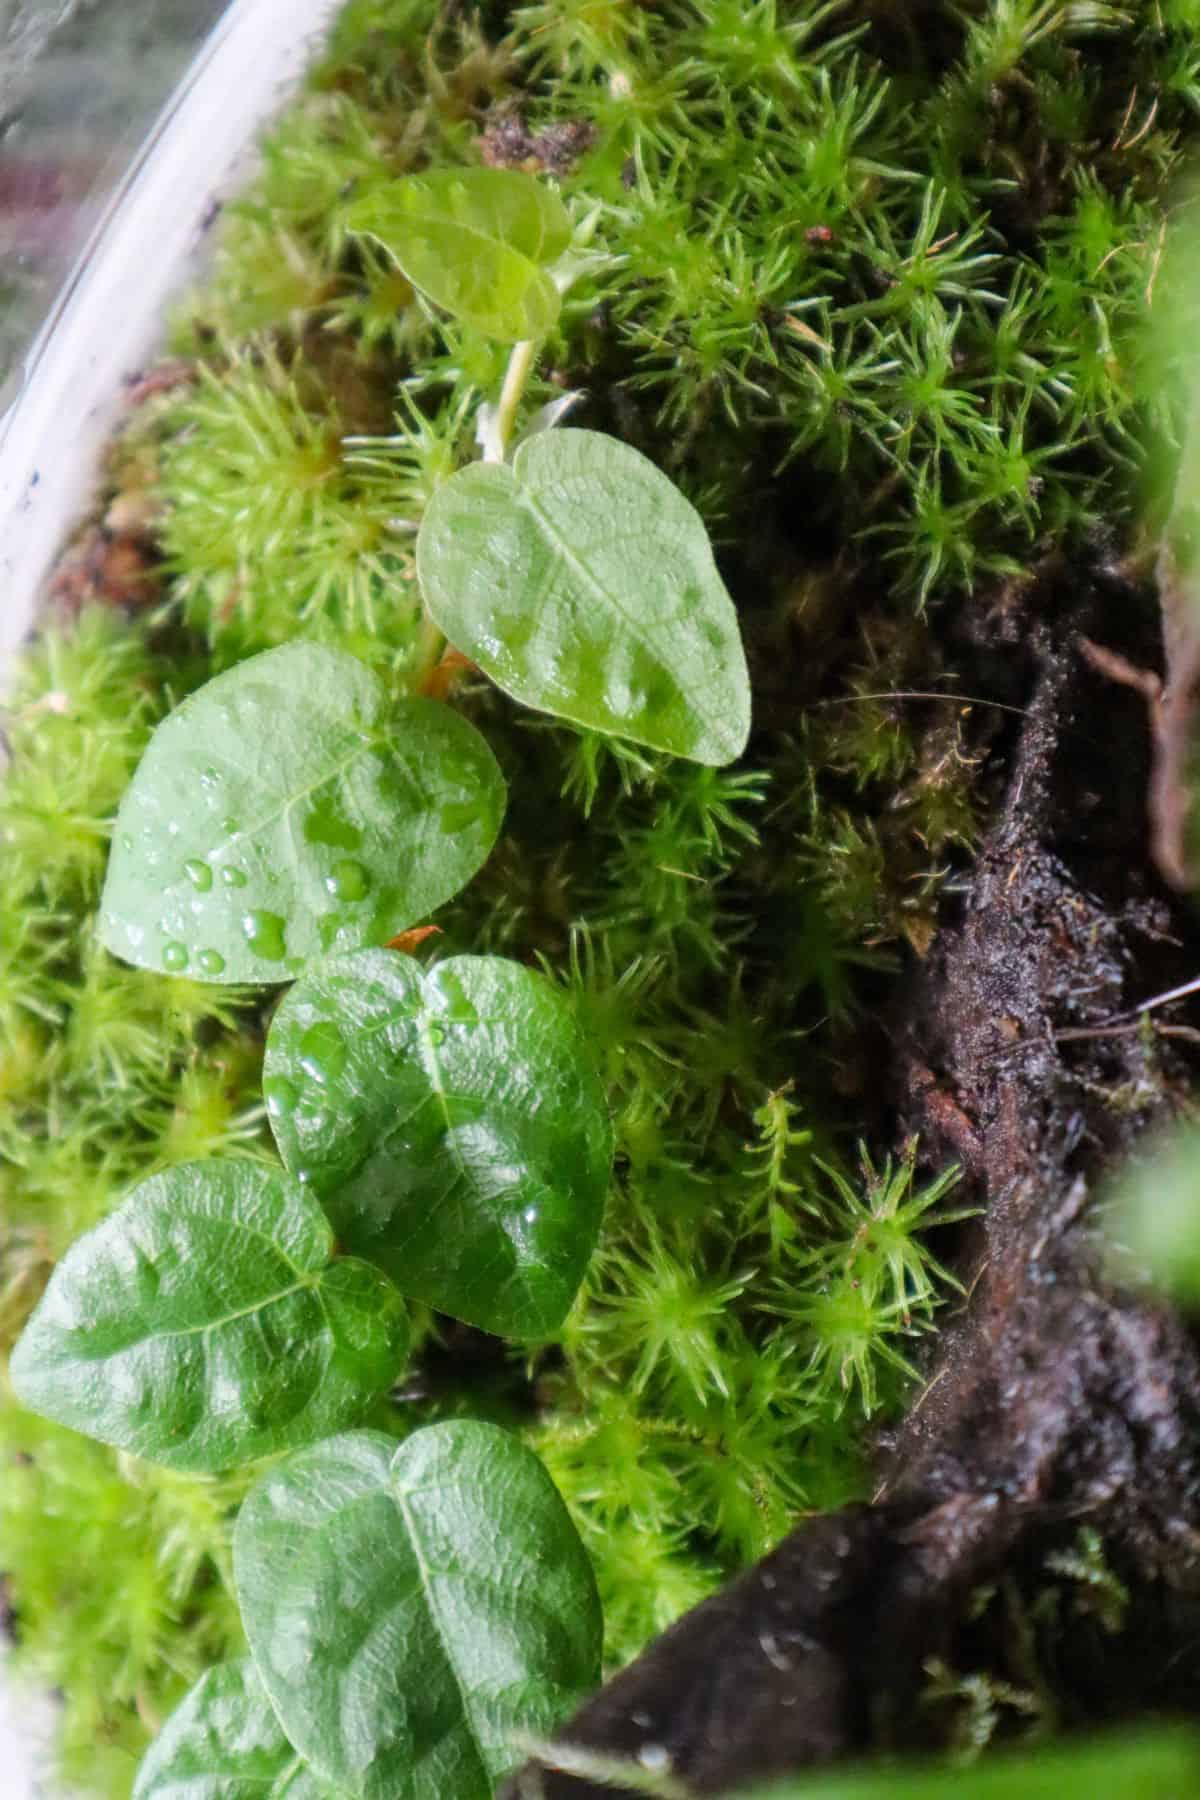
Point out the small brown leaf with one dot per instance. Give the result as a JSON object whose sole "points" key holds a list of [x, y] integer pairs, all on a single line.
{"points": [[446, 674], [408, 941]]}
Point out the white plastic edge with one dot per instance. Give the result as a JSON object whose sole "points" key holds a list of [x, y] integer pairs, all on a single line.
{"points": [[107, 319], [27, 1722]]}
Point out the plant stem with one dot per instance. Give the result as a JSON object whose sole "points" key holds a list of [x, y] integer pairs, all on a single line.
{"points": [[431, 641], [520, 365]]}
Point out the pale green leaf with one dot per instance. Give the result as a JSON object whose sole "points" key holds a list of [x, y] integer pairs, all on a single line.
{"points": [[223, 1742], [582, 582], [477, 241], [287, 809], [412, 1610], [204, 1323], [1154, 1214], [473, 1144]]}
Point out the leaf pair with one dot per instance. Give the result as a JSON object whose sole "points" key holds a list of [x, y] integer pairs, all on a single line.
{"points": [[408, 1611], [289, 809], [578, 578], [457, 1135]]}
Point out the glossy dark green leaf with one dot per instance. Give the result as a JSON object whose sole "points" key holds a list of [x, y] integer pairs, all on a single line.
{"points": [[287, 809], [582, 582], [477, 241], [203, 1323], [411, 1609], [223, 1742], [472, 1148]]}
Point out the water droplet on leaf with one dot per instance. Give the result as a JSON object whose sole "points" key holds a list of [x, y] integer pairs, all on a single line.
{"points": [[323, 1052], [459, 1010], [175, 955], [264, 934], [326, 825], [348, 881], [233, 877], [199, 874], [280, 1095], [210, 962], [437, 1032]]}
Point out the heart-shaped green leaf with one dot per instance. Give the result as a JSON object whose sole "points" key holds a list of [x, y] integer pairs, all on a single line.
{"points": [[203, 1323], [582, 582], [477, 241], [473, 1143], [223, 1742], [411, 1609], [289, 808]]}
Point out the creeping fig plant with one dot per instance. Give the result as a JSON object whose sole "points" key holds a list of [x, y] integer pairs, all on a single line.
{"points": [[450, 1125]]}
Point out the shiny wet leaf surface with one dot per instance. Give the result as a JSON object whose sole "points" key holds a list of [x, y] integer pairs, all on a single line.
{"points": [[205, 1323], [411, 1609], [288, 809], [472, 1143]]}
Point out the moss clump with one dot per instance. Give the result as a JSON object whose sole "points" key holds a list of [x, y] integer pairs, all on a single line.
{"points": [[868, 283]]}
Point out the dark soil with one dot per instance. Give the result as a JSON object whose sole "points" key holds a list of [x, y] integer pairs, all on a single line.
{"points": [[1059, 1398]]}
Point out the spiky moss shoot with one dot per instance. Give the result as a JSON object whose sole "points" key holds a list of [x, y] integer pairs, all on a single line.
{"points": [[266, 526], [868, 286], [123, 1595], [650, 1307], [878, 1244], [849, 1300], [77, 722]]}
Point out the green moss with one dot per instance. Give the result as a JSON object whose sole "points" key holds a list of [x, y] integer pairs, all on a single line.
{"points": [[869, 283]]}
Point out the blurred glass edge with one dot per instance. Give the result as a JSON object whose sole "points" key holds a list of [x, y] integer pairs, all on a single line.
{"points": [[81, 83], [64, 397]]}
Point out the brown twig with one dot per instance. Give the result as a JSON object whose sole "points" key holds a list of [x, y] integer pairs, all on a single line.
{"points": [[1172, 706]]}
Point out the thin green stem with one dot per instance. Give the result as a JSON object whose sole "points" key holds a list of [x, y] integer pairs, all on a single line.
{"points": [[431, 641], [520, 366]]}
